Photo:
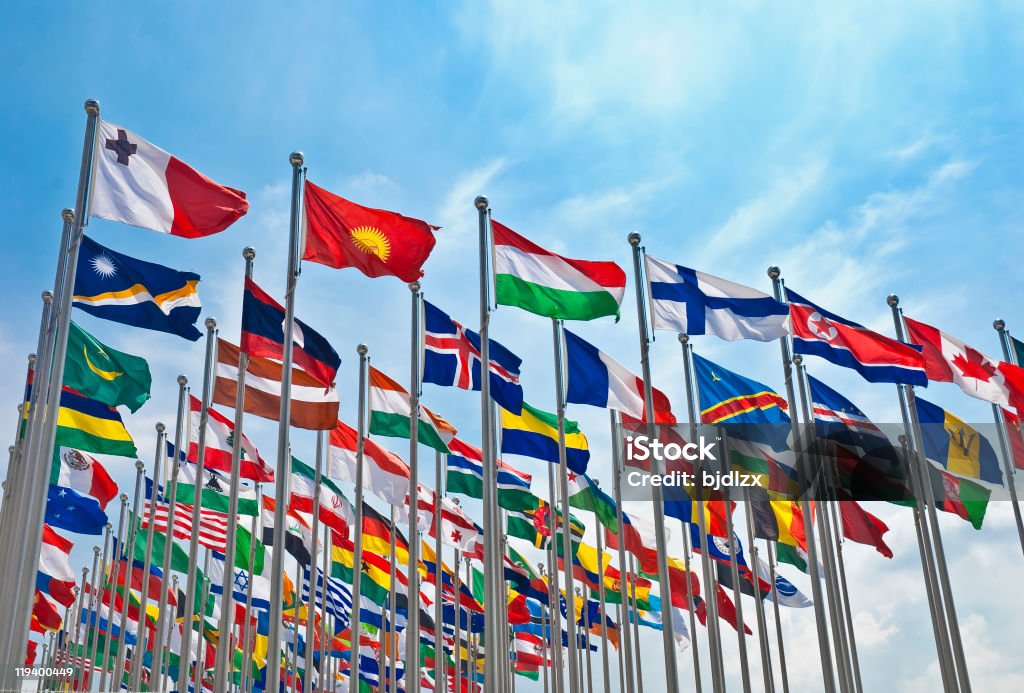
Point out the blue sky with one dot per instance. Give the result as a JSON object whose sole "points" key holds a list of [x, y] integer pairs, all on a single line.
{"points": [[865, 150]]}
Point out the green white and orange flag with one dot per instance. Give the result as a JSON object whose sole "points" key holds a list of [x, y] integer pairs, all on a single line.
{"points": [[539, 281], [391, 411]]}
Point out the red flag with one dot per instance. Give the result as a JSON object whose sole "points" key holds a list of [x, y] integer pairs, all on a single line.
{"points": [[1013, 427], [727, 610], [864, 528], [378, 243]]}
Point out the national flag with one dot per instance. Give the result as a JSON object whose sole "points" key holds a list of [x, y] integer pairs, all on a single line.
{"points": [[718, 549], [337, 598], [105, 374], [862, 527], [139, 184], [378, 243], [793, 555], [213, 529], [465, 476], [55, 576], [67, 509], [334, 509], [541, 282], [956, 446], [456, 529], [948, 360], [586, 495], [785, 591], [45, 616], [770, 503], [375, 568], [534, 433], [220, 441], [86, 424], [451, 357], [216, 488], [959, 496], [179, 557], [384, 473], [684, 300], [638, 536], [1014, 432], [298, 535], [259, 578], [134, 292], [263, 335], [82, 472], [313, 407], [597, 379], [727, 610], [876, 357], [391, 412]]}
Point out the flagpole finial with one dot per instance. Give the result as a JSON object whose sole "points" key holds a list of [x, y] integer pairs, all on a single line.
{"points": [[999, 324], [683, 338], [92, 107], [634, 239], [414, 287], [47, 296], [95, 550], [893, 300], [67, 214], [797, 359], [248, 252], [774, 272], [211, 323], [10, 451], [124, 498], [182, 380], [160, 428], [296, 159], [480, 202], [362, 350], [31, 362]]}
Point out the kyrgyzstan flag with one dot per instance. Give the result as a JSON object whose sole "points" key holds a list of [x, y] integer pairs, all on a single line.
{"points": [[139, 184], [378, 243]]}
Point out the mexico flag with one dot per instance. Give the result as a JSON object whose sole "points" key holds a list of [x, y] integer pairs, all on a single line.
{"points": [[141, 185]]}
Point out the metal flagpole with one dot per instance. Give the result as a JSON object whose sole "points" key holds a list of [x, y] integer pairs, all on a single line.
{"points": [[355, 623], [803, 472], [711, 602], [250, 637], [307, 680], [457, 622], [587, 674], [199, 670], [193, 546], [284, 460], [412, 644], [945, 588], [110, 580], [741, 630], [658, 467], [563, 487], [600, 594], [182, 427], [328, 542], [1008, 466], [222, 663], [545, 664], [439, 658], [762, 624], [784, 674], [689, 608], [98, 579], [77, 651], [635, 619], [845, 594], [293, 652], [554, 592], [391, 651], [623, 630], [626, 636]]}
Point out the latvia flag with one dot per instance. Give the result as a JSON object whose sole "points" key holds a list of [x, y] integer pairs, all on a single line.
{"points": [[139, 184]]}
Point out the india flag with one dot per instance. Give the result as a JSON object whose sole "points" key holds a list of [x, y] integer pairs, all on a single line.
{"points": [[539, 281], [391, 411]]}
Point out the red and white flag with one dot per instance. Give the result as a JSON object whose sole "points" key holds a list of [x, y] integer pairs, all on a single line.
{"points": [[457, 529], [55, 572], [220, 438], [213, 526], [141, 185], [384, 473]]}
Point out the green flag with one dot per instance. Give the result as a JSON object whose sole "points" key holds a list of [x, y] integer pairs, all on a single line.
{"points": [[179, 558], [215, 491], [105, 374]]}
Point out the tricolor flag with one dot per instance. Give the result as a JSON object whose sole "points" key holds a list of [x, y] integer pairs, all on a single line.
{"points": [[384, 473], [541, 282], [137, 183], [314, 406], [586, 495], [955, 446], [55, 576], [334, 509], [90, 425], [82, 472], [534, 433], [298, 535], [220, 439], [391, 412], [465, 476], [215, 488], [638, 536]]}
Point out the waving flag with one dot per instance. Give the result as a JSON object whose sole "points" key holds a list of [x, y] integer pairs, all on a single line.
{"points": [[133, 292], [466, 476], [718, 549], [876, 357], [749, 409], [105, 374], [66, 509], [691, 302], [586, 495], [137, 183], [597, 379], [391, 413], [961, 497], [263, 335], [55, 576], [90, 425], [215, 488], [452, 358], [862, 527], [220, 439], [534, 433], [384, 473], [334, 509], [82, 472], [955, 446]]}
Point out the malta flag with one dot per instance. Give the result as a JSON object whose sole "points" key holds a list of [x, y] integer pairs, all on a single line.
{"points": [[378, 243], [141, 185]]}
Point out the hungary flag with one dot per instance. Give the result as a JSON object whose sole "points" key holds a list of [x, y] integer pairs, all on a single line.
{"points": [[391, 411], [539, 281]]}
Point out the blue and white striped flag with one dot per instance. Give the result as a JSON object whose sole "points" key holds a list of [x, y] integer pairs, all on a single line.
{"points": [[339, 598]]}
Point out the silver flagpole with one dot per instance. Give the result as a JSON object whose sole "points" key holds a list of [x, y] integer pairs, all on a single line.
{"points": [[544, 640], [199, 671], [762, 625], [284, 460], [827, 669], [658, 467], [412, 633], [110, 580], [689, 607], [247, 680], [457, 622], [623, 629], [294, 650], [945, 588], [711, 601], [563, 488], [439, 663], [357, 550], [222, 662], [77, 651], [325, 568], [391, 651], [1008, 466], [636, 623], [98, 579], [182, 426], [845, 594], [600, 593], [588, 672], [554, 592], [737, 592], [197, 497], [307, 680], [626, 636], [784, 674]]}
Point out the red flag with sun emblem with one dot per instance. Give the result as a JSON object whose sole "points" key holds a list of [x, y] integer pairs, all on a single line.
{"points": [[378, 243]]}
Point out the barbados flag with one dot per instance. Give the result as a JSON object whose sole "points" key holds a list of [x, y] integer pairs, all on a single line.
{"points": [[955, 446], [86, 424], [534, 433], [123, 289]]}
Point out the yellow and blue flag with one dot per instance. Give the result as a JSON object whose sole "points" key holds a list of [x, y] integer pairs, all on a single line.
{"points": [[534, 433], [92, 426], [955, 446], [134, 292], [747, 408]]}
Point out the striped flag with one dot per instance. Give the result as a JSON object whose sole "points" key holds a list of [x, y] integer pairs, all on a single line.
{"points": [[384, 473], [466, 476], [339, 598], [220, 439], [391, 412]]}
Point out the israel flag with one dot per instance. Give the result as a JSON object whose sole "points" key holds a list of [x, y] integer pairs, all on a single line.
{"points": [[691, 302]]}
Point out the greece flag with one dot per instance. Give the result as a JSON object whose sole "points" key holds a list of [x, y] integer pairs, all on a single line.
{"points": [[691, 302]]}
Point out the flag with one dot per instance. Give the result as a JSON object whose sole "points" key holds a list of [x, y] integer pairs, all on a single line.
{"points": [[179, 557], [466, 476], [391, 411], [586, 495], [638, 536], [534, 433], [263, 335], [718, 549], [55, 576], [541, 282], [378, 243], [90, 425], [216, 488], [139, 184], [452, 358], [337, 598], [314, 406], [456, 529], [220, 441], [862, 527], [334, 510], [748, 409], [82, 472], [876, 357], [1013, 429], [597, 379], [691, 302], [955, 446], [793, 555], [785, 591], [298, 535], [104, 374], [133, 292], [66, 509], [948, 360], [45, 616], [384, 473], [375, 568], [959, 496]]}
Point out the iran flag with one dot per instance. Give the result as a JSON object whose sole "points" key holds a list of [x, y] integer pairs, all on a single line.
{"points": [[139, 184]]}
